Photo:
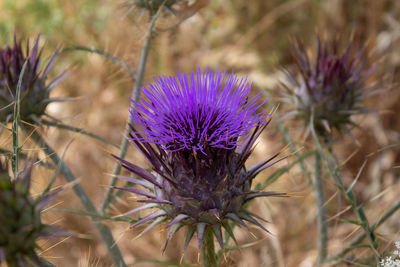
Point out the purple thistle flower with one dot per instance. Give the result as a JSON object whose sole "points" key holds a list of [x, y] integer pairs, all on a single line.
{"points": [[197, 132], [34, 89], [331, 88], [20, 217], [196, 112]]}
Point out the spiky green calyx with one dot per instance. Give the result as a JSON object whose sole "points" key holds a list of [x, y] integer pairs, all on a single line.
{"points": [[20, 217]]}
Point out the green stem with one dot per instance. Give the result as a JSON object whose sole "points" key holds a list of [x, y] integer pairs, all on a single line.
{"points": [[16, 121], [135, 95], [388, 213], [321, 217], [86, 202], [358, 209], [348, 193], [208, 257]]}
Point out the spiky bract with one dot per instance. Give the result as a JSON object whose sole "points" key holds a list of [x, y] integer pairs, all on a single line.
{"points": [[20, 218], [195, 133], [34, 91], [331, 87]]}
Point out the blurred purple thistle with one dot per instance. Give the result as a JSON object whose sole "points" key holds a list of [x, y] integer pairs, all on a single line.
{"points": [[196, 133], [34, 89], [331, 88]]}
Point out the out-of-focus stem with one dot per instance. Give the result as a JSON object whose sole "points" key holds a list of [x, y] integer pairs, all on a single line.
{"points": [[16, 121], [85, 200], [77, 130], [208, 257], [358, 209], [321, 216], [388, 213], [286, 136], [348, 193], [135, 95]]}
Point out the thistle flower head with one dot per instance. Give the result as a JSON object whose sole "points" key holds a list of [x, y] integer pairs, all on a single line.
{"points": [[195, 131], [34, 91], [332, 87], [197, 113], [20, 218]]}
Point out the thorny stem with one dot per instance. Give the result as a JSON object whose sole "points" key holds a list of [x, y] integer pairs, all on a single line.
{"points": [[359, 211], [321, 218], [86, 202], [208, 251], [135, 95], [389, 212], [348, 193]]}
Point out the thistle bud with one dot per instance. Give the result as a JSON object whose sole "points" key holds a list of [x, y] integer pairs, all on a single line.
{"points": [[332, 87], [34, 91], [197, 132], [20, 217]]}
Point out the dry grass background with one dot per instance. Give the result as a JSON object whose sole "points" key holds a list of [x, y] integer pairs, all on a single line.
{"points": [[251, 37]]}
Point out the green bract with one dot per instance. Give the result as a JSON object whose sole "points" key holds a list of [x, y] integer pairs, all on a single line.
{"points": [[20, 218]]}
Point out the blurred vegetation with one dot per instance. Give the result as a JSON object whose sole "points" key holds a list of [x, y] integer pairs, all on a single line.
{"points": [[60, 20]]}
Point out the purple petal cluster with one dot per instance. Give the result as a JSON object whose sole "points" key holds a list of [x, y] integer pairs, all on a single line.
{"points": [[192, 112], [178, 117], [331, 87]]}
